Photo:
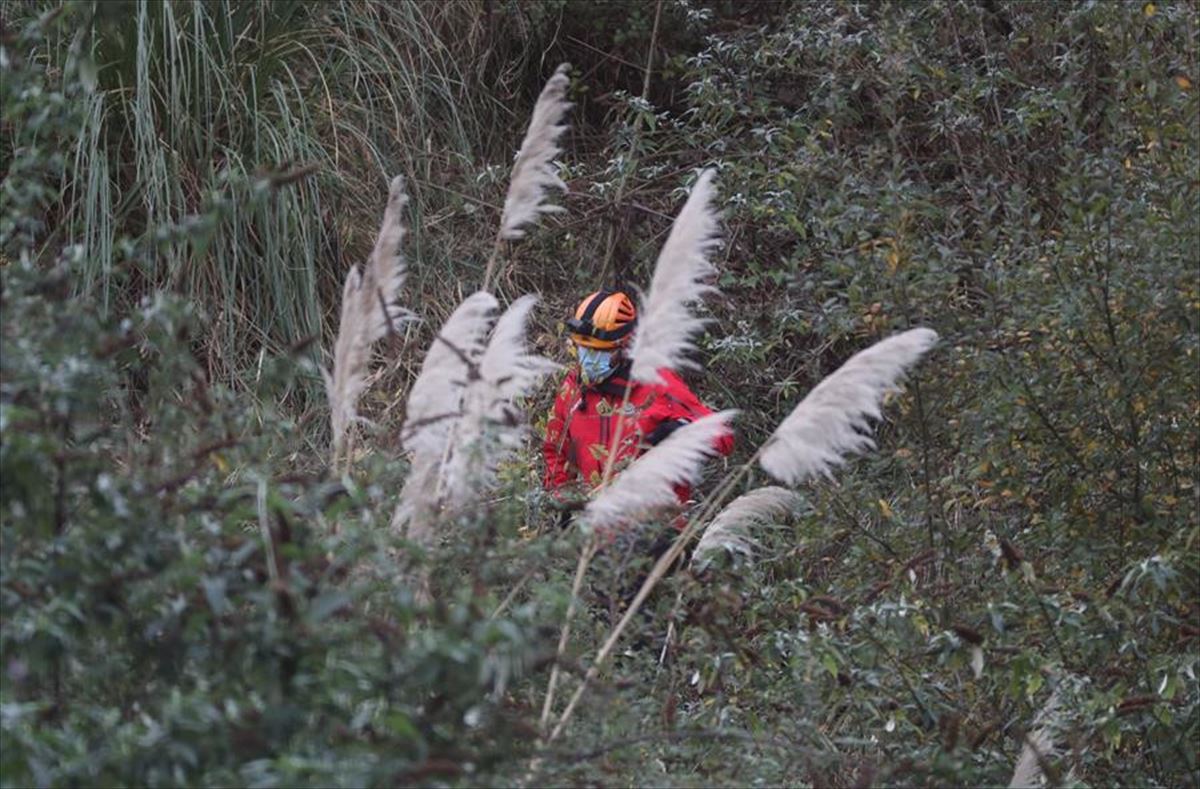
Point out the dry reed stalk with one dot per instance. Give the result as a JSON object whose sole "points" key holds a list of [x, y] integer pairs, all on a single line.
{"points": [[638, 122], [656, 574], [512, 593], [645, 487], [580, 569]]}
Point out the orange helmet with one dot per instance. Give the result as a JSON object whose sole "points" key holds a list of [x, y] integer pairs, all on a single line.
{"points": [[605, 319]]}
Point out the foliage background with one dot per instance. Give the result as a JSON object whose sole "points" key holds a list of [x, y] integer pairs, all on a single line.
{"points": [[189, 597]]}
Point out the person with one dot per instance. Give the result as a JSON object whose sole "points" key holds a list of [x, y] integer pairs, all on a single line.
{"points": [[583, 428]]}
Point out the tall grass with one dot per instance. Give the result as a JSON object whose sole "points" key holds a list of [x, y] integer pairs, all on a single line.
{"points": [[193, 100]]}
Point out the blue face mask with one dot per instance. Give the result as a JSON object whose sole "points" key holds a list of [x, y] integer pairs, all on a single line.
{"points": [[595, 365]]}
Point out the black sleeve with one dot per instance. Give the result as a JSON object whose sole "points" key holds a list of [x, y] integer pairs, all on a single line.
{"points": [[658, 434]]}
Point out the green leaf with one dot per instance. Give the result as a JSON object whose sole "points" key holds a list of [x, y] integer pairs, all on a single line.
{"points": [[327, 604], [214, 592]]}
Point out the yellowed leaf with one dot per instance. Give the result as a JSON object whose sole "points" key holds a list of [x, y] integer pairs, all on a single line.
{"points": [[921, 625]]}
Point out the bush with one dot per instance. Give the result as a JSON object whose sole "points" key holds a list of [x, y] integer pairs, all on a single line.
{"points": [[188, 595]]}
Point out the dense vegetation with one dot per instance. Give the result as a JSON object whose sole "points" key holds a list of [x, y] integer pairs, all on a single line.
{"points": [[190, 596]]}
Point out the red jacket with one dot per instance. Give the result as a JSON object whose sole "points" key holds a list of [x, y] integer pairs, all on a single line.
{"points": [[583, 425]]}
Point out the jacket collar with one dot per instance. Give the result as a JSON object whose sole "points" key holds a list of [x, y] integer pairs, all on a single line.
{"points": [[614, 384]]}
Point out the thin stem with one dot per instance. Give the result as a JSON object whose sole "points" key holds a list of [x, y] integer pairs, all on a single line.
{"points": [[512, 593], [662, 656], [925, 461], [717, 497], [491, 264], [650, 52], [656, 574], [585, 557], [610, 242], [615, 449]]}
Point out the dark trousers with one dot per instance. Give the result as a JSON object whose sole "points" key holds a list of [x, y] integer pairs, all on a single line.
{"points": [[623, 562]]}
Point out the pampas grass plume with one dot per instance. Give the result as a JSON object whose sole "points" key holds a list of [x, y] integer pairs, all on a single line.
{"points": [[1039, 746], [833, 421], [730, 530], [490, 428], [647, 485], [435, 399], [369, 311], [666, 323], [533, 173]]}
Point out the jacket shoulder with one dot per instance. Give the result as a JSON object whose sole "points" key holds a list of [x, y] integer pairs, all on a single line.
{"points": [[671, 380]]}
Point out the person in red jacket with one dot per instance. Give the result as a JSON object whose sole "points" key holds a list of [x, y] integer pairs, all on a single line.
{"points": [[583, 426]]}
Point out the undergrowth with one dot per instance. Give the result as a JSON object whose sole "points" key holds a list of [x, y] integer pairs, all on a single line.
{"points": [[189, 597]]}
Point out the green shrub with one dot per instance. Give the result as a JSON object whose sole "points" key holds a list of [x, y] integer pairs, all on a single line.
{"points": [[188, 598]]}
